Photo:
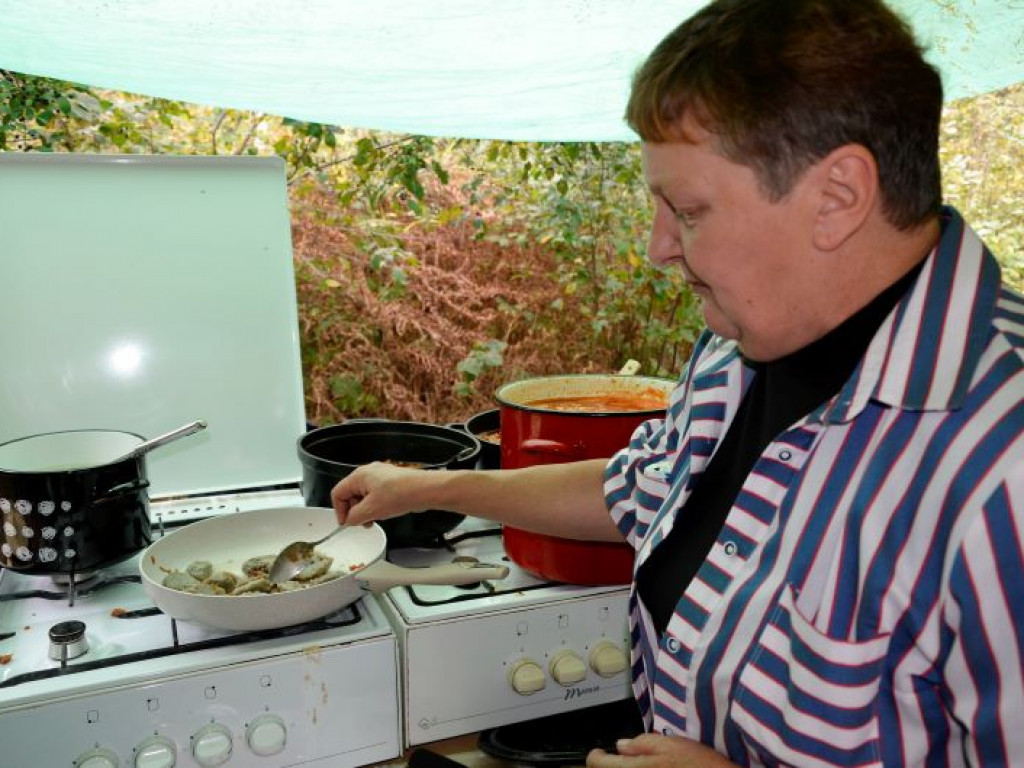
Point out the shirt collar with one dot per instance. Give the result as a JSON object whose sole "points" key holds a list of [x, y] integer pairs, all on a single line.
{"points": [[925, 353]]}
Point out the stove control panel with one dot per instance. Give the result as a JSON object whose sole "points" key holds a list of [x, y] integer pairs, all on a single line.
{"points": [[514, 664], [335, 704]]}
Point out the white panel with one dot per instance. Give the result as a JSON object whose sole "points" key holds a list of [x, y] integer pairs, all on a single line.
{"points": [[140, 293]]}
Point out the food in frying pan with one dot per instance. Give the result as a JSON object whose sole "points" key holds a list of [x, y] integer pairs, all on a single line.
{"points": [[199, 577], [200, 570], [255, 567]]}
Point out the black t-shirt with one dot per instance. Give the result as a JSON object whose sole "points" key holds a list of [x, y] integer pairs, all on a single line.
{"points": [[782, 392]]}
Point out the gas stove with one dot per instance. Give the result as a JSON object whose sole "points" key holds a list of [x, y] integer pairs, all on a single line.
{"points": [[150, 691], [504, 651], [185, 309]]}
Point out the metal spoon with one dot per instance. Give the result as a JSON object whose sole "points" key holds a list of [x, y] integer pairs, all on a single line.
{"points": [[295, 557]]}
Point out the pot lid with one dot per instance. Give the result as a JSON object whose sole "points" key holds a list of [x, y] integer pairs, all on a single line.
{"points": [[172, 299]]}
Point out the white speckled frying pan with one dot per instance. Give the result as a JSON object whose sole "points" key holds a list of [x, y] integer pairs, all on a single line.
{"points": [[229, 541]]}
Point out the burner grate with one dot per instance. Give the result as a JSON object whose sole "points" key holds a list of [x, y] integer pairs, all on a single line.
{"points": [[347, 617]]}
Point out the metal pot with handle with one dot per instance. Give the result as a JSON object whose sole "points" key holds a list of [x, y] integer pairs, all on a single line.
{"points": [[330, 453], [76, 501], [227, 542], [556, 419]]}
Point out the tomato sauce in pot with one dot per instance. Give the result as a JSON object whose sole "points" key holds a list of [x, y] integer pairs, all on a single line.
{"points": [[611, 402]]}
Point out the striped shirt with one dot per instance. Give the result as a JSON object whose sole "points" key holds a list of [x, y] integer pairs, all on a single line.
{"points": [[858, 606]]}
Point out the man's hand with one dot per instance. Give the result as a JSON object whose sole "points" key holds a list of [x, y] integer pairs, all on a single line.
{"points": [[378, 491], [651, 750]]}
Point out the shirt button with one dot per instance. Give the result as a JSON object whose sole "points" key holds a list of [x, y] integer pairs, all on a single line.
{"points": [[667, 731], [673, 645], [785, 455], [730, 548]]}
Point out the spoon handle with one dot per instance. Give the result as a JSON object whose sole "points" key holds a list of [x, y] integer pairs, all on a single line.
{"points": [[329, 535]]}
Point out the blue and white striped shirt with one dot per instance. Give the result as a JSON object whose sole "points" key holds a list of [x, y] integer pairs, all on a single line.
{"points": [[858, 607]]}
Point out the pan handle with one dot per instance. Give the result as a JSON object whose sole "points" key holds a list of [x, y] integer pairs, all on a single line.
{"points": [[382, 575]]}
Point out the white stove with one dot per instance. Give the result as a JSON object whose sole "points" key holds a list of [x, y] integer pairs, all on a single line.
{"points": [[503, 651], [170, 299]]}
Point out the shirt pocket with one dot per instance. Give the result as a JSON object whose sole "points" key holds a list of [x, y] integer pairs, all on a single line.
{"points": [[804, 693]]}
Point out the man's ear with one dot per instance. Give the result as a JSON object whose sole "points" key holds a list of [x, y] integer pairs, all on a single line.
{"points": [[848, 191]]}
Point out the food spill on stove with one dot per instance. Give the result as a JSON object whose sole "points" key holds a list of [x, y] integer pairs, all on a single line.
{"points": [[5, 658], [199, 577]]}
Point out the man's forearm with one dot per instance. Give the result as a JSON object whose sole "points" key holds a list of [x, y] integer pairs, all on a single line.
{"points": [[565, 500]]}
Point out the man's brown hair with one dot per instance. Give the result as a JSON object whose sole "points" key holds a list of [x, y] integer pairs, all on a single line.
{"points": [[781, 83]]}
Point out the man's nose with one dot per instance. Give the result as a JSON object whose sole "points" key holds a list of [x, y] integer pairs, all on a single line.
{"points": [[664, 243]]}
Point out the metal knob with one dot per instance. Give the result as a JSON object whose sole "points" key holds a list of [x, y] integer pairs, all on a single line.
{"points": [[67, 640]]}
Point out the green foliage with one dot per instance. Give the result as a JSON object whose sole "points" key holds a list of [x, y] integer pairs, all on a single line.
{"points": [[39, 114], [585, 204], [484, 356], [983, 172], [588, 203]]}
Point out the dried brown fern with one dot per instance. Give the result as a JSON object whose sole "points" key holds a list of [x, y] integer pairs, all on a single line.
{"points": [[398, 358]]}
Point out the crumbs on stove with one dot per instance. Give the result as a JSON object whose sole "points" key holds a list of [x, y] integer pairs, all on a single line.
{"points": [[5, 658]]}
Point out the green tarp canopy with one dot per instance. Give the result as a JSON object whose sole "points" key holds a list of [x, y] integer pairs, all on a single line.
{"points": [[544, 70]]}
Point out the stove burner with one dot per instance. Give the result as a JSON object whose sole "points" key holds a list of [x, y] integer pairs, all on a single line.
{"points": [[470, 560], [67, 641], [65, 579]]}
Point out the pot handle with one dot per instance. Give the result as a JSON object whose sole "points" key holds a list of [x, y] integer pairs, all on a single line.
{"points": [[132, 486], [382, 575], [464, 454], [537, 445]]}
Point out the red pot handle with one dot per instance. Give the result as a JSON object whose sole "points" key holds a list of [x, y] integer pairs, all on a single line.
{"points": [[537, 445]]}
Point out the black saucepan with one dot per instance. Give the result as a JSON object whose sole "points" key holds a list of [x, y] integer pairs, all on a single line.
{"points": [[486, 427], [68, 505], [328, 454]]}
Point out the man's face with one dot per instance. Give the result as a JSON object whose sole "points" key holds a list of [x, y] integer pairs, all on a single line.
{"points": [[751, 261]]}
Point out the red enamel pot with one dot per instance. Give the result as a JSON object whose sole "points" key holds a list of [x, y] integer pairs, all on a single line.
{"points": [[536, 429]]}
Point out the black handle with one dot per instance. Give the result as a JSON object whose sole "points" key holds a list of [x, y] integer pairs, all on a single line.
{"points": [[124, 489]]}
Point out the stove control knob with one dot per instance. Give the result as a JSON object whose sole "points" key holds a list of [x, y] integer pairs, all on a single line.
{"points": [[567, 668], [526, 677], [608, 659], [266, 735], [156, 752], [97, 758], [211, 745]]}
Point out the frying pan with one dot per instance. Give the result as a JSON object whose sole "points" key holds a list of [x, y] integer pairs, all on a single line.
{"points": [[229, 541]]}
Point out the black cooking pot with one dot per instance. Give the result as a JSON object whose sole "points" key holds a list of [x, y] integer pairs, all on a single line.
{"points": [[484, 426], [328, 454], [68, 505]]}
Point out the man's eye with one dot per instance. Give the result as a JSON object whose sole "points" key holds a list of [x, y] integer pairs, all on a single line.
{"points": [[687, 218]]}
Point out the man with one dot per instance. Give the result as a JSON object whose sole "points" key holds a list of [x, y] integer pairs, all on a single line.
{"points": [[828, 521]]}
